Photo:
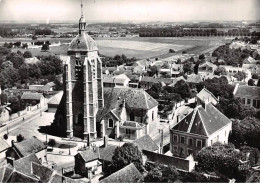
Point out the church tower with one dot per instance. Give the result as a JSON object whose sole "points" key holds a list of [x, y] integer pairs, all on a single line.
{"points": [[83, 86]]}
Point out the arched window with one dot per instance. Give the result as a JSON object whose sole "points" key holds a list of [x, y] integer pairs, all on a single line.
{"points": [[110, 123], [132, 116]]}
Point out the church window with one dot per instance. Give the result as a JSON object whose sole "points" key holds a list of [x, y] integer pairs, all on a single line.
{"points": [[132, 116], [78, 69], [110, 123]]}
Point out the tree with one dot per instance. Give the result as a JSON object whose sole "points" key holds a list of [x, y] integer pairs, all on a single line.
{"points": [[246, 132], [52, 143], [254, 76], [126, 154], [19, 138], [27, 54], [201, 56], [220, 71], [171, 51], [182, 88], [6, 136], [24, 45], [187, 67], [220, 158], [8, 75], [240, 76], [34, 37], [251, 82], [15, 103], [45, 47], [16, 59], [4, 98]]}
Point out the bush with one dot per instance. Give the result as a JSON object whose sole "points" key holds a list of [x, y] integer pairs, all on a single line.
{"points": [[52, 142], [254, 76], [19, 138], [6, 136], [172, 51], [121, 138]]}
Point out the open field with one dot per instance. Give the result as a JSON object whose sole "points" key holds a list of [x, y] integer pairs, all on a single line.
{"points": [[139, 47]]}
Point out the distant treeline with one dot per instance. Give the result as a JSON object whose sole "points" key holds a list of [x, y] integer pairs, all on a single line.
{"points": [[181, 32]]}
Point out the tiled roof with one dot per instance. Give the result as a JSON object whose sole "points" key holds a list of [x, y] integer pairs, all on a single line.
{"points": [[107, 152], [42, 172], [88, 155], [203, 121], [205, 94], [55, 100], [6, 173], [31, 96], [193, 78], [146, 143], [24, 164], [28, 146], [134, 99], [208, 64], [133, 77], [128, 174], [176, 80], [251, 92], [3, 145]]}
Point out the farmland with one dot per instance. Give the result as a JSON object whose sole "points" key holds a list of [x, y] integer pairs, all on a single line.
{"points": [[135, 47]]}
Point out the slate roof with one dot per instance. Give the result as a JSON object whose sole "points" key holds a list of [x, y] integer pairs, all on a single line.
{"points": [[3, 145], [193, 78], [55, 100], [203, 121], [105, 153], [132, 124], [6, 173], [18, 177], [134, 99], [252, 92], [28, 146], [24, 164], [83, 42], [205, 94], [128, 174], [31, 96], [146, 143]]}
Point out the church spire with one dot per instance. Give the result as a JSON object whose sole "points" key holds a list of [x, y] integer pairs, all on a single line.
{"points": [[82, 21]]}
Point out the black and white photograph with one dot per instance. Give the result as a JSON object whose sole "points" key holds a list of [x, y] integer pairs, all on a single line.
{"points": [[130, 91]]}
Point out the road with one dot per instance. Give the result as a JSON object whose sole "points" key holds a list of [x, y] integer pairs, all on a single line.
{"points": [[14, 124]]}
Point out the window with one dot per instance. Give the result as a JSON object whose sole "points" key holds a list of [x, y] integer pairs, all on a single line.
{"points": [[110, 123], [190, 142], [132, 116], [254, 103], [129, 131], [175, 138], [199, 143], [153, 115], [175, 148], [182, 139], [243, 100], [78, 69], [248, 101], [181, 150], [190, 151], [211, 141]]}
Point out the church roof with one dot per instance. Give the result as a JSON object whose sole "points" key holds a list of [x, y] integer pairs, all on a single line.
{"points": [[83, 42]]}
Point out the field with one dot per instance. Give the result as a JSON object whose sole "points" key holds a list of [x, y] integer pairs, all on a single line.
{"points": [[139, 47]]}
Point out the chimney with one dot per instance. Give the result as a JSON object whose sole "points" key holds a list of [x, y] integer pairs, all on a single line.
{"points": [[105, 141], [12, 142], [10, 160]]}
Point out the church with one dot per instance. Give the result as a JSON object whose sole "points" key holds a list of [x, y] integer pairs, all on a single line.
{"points": [[87, 110]]}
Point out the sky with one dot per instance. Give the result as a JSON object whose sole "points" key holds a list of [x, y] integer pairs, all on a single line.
{"points": [[130, 10]]}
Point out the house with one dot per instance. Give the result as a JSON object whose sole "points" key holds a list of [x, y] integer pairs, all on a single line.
{"points": [[33, 98], [202, 127], [54, 102], [194, 79], [26, 147], [207, 68], [128, 174], [250, 60], [250, 95], [176, 80], [94, 160], [32, 60], [45, 88], [118, 80], [233, 70], [109, 70], [128, 112], [134, 80], [205, 96], [146, 143]]}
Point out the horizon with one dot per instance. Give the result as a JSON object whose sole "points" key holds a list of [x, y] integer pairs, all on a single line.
{"points": [[33, 11]]}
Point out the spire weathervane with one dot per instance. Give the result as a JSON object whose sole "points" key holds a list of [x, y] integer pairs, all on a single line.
{"points": [[81, 8]]}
